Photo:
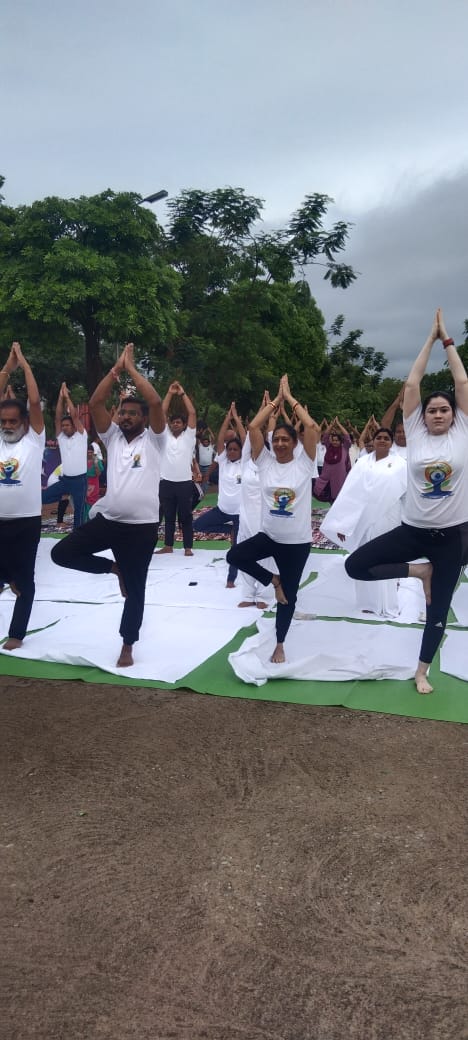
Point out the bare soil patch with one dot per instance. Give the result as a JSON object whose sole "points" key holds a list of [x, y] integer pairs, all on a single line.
{"points": [[180, 867]]}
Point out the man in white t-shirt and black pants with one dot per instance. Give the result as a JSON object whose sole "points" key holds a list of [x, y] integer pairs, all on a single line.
{"points": [[127, 516], [22, 442], [176, 486], [73, 443]]}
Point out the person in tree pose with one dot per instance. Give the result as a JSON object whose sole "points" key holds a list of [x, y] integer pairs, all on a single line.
{"points": [[285, 533], [22, 442], [175, 489], [73, 443], [127, 516], [435, 515]]}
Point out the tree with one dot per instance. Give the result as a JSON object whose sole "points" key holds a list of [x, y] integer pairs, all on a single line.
{"points": [[76, 273], [350, 381], [245, 315]]}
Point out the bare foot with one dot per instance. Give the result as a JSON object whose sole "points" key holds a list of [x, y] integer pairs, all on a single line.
{"points": [[188, 552], [115, 570], [279, 592], [424, 572], [422, 685], [246, 603], [126, 656], [12, 644], [165, 549], [230, 585], [278, 656], [261, 604]]}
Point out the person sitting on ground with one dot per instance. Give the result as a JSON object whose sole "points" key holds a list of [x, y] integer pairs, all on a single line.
{"points": [[175, 489], [73, 443]]}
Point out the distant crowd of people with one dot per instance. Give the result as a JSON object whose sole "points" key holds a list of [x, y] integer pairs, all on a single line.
{"points": [[397, 492]]}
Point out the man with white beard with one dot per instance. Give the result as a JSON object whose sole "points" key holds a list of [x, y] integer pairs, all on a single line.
{"points": [[22, 440]]}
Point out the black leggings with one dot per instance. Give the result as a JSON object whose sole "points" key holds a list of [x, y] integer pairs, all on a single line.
{"points": [[290, 560], [132, 546], [385, 557], [19, 539]]}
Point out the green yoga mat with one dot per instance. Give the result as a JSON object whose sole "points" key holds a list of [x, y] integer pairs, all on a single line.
{"points": [[448, 703]]}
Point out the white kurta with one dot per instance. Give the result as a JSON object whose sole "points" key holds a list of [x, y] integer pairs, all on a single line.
{"points": [[369, 504]]}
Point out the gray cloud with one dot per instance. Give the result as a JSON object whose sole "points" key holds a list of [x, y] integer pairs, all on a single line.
{"points": [[412, 257]]}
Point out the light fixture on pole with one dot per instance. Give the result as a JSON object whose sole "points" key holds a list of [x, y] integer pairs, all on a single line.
{"points": [[155, 197]]}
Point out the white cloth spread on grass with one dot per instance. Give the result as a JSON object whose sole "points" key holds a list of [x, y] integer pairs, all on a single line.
{"points": [[190, 615], [369, 504]]}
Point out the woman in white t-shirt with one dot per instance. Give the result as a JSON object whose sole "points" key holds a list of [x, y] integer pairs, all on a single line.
{"points": [[285, 533], [435, 515]]}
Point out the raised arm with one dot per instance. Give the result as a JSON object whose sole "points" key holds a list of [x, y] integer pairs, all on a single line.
{"points": [[10, 365], [311, 429], [238, 424], [268, 409], [102, 418], [412, 395], [59, 411], [157, 419], [36, 419], [456, 366], [223, 430], [72, 411], [389, 416]]}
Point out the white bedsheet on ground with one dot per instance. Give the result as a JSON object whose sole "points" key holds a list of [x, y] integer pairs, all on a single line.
{"points": [[189, 615], [328, 651]]}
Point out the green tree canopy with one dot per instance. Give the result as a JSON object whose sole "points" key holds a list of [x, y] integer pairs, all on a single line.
{"points": [[75, 273]]}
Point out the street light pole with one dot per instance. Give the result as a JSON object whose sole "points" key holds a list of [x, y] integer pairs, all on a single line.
{"points": [[155, 197]]}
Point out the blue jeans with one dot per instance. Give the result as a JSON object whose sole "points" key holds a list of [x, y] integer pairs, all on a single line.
{"points": [[217, 522], [74, 486]]}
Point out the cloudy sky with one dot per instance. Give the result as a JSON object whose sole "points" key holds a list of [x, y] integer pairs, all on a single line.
{"points": [[363, 100]]}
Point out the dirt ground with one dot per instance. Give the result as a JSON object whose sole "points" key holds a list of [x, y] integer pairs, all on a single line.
{"points": [[180, 867]]}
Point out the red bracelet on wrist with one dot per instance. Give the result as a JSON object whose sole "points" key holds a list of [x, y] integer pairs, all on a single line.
{"points": [[448, 342]]}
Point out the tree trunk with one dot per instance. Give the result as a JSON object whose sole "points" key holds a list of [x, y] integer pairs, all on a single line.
{"points": [[93, 357]]}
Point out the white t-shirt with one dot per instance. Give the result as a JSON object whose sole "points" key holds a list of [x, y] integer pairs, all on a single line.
{"points": [[74, 453], [437, 494], [286, 497], [133, 467], [20, 476], [206, 454], [177, 455], [229, 484]]}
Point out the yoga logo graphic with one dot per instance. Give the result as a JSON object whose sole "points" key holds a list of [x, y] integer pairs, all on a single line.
{"points": [[437, 477], [283, 497], [8, 470], [136, 464]]}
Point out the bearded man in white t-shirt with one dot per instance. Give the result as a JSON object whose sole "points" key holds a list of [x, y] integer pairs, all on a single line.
{"points": [[73, 443], [126, 518], [22, 441]]}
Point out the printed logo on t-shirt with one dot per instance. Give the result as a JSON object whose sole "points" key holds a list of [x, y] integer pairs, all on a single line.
{"points": [[8, 471], [136, 464], [437, 477], [283, 497]]}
